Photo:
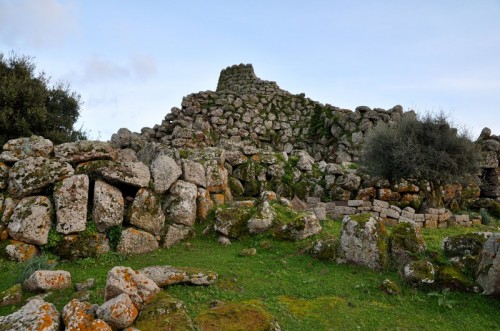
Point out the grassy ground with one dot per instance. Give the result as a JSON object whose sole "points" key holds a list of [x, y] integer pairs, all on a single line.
{"points": [[301, 292]]}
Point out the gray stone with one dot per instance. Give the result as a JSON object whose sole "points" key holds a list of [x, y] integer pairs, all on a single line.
{"points": [[19, 251], [108, 206], [118, 312], [263, 220], [419, 273], [35, 315], [70, 199], [47, 280], [138, 287], [85, 150], [349, 182], [168, 275], [21, 148], [33, 174], [488, 270], [216, 175], [4, 175], [9, 205], [129, 173], [360, 241], [194, 172], [165, 172], [305, 226], [31, 220], [134, 241], [180, 204], [235, 158], [305, 162], [176, 233], [146, 212]]}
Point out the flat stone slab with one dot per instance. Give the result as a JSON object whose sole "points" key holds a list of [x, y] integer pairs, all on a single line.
{"points": [[168, 275]]}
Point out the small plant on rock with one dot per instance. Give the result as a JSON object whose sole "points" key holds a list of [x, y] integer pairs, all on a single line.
{"points": [[27, 268]]}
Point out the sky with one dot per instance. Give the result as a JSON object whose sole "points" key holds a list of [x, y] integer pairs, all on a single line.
{"points": [[132, 61]]}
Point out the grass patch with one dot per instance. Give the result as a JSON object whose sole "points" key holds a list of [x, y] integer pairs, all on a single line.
{"points": [[302, 293]]}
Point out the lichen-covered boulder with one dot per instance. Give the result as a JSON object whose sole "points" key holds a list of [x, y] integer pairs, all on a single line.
{"points": [[85, 150], [35, 315], [134, 241], [134, 174], [31, 220], [406, 243], [108, 206], [176, 233], [20, 251], [33, 174], [146, 212], [419, 273], [79, 316], [245, 315], [464, 244], [4, 174], [488, 270], [75, 247], [363, 241], [305, 161], [194, 172], [180, 204], [9, 205], [71, 199], [216, 175], [47, 280], [262, 220], [232, 221], [164, 312], [21, 148], [138, 287], [349, 182], [306, 225], [118, 312], [168, 275], [165, 172], [11, 296]]}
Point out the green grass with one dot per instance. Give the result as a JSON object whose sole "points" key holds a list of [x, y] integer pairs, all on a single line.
{"points": [[301, 292]]}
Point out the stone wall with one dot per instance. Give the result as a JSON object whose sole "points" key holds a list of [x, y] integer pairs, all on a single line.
{"points": [[246, 110]]}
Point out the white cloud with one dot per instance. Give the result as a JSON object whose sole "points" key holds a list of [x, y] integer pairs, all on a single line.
{"points": [[36, 23]]}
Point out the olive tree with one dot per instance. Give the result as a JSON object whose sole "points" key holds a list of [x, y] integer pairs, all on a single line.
{"points": [[425, 148], [30, 106]]}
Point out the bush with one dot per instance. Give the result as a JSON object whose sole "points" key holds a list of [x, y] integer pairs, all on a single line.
{"points": [[29, 106]]}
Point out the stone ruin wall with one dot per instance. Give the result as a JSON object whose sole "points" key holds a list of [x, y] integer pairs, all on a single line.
{"points": [[245, 110]]}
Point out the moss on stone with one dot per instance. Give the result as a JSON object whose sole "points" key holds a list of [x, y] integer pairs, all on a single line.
{"points": [[241, 316], [361, 218], [452, 278]]}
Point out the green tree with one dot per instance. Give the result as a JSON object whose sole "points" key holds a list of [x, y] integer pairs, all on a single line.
{"points": [[29, 106], [425, 148]]}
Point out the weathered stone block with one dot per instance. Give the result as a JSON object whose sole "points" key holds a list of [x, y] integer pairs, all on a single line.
{"points": [[31, 220], [70, 199]]}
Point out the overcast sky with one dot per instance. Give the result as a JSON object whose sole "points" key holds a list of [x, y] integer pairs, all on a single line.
{"points": [[132, 61]]}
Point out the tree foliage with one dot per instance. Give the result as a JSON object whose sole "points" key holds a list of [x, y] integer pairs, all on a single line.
{"points": [[29, 106], [422, 148]]}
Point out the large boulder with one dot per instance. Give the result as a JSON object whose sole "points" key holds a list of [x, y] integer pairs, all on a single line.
{"points": [[175, 233], [47, 280], [232, 221], [168, 275], [33, 174], [134, 241], [71, 199], [488, 271], [79, 315], [118, 312], [406, 243], [21, 148], [75, 247], [304, 226], [165, 172], [85, 150], [134, 174], [108, 206], [194, 172], [31, 220], [164, 312], [464, 244], [146, 212], [180, 204], [363, 241], [138, 287], [35, 315], [263, 220]]}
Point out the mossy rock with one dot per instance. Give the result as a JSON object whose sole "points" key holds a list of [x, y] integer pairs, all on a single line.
{"points": [[406, 243], [452, 278], [11, 296], [164, 313], [75, 247], [463, 244], [390, 287], [236, 187], [325, 249], [232, 221], [237, 316], [419, 273], [252, 188]]}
